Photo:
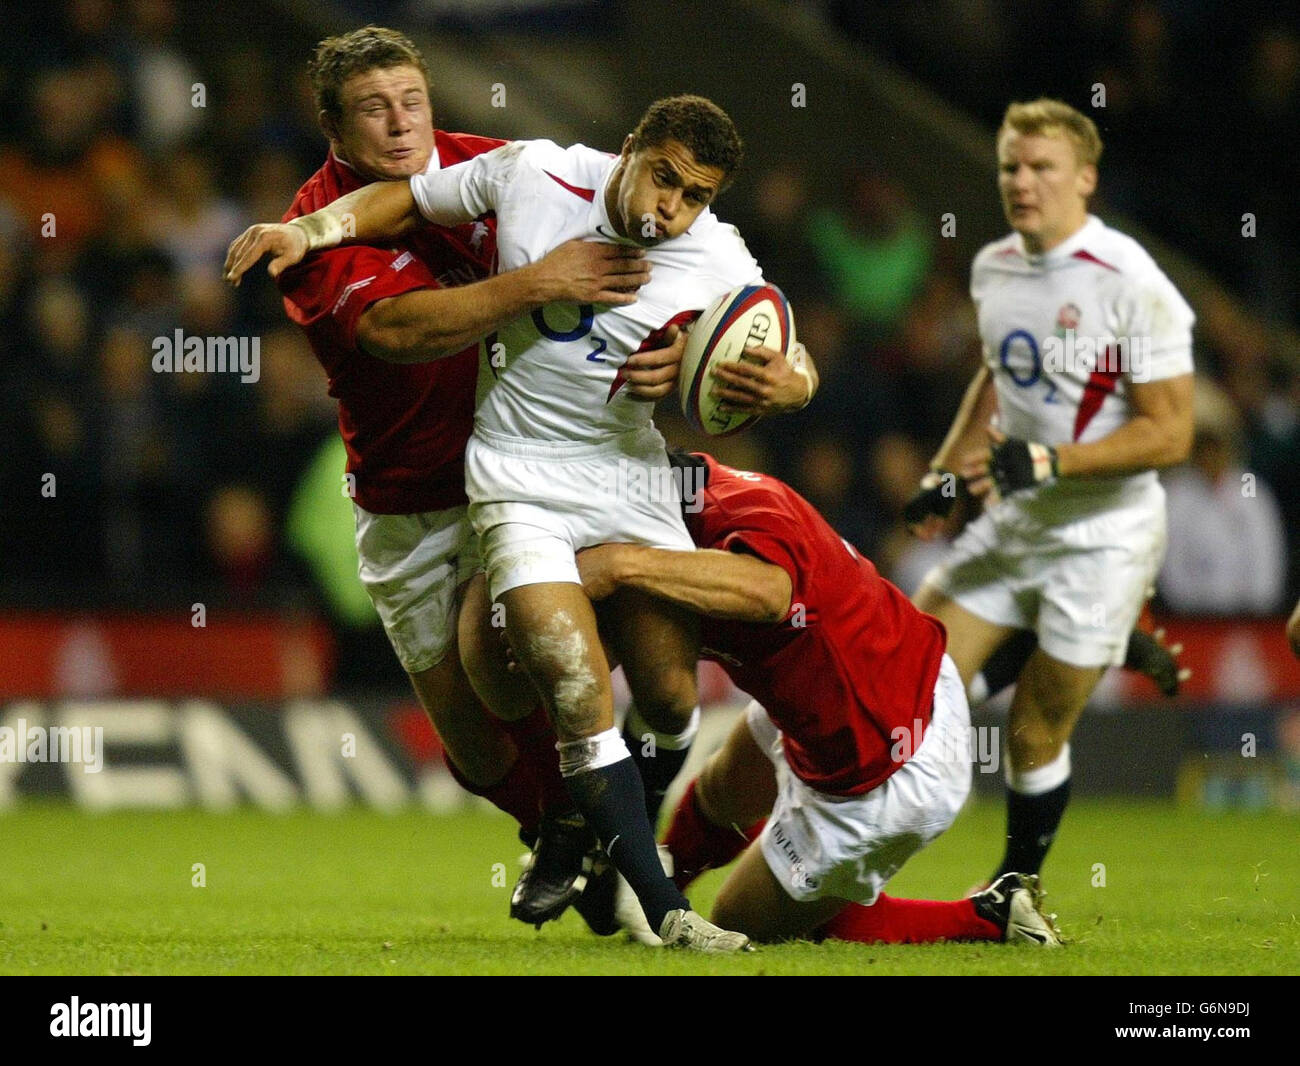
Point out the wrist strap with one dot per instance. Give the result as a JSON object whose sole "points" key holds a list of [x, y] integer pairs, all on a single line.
{"points": [[802, 371], [324, 229], [798, 360]]}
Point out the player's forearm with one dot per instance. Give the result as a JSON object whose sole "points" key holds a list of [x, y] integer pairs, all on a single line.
{"points": [[718, 584], [381, 211], [428, 324], [1142, 443], [966, 433]]}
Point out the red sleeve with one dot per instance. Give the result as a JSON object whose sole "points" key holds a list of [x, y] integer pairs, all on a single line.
{"points": [[339, 284]]}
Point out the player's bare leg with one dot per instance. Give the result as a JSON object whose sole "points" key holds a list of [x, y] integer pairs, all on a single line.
{"points": [[722, 809], [658, 645], [753, 902], [508, 694], [564, 848], [971, 639], [737, 786], [1050, 696], [552, 629], [512, 764], [481, 750]]}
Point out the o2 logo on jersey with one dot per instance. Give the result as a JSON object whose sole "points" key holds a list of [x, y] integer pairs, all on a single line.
{"points": [[1012, 355], [586, 316], [1020, 358]]}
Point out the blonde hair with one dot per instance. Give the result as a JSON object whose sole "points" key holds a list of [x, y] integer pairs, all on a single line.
{"points": [[1048, 117]]}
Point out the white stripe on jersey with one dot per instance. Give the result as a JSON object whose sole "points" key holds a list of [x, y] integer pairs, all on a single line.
{"points": [[554, 375]]}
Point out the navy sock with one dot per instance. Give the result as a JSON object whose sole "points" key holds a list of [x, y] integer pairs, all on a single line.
{"points": [[1031, 826], [612, 800], [658, 768]]}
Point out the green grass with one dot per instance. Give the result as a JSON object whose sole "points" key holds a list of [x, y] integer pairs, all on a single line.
{"points": [[366, 893]]}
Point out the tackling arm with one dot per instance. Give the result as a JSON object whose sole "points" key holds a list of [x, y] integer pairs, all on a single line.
{"points": [[431, 323], [719, 584], [383, 210]]}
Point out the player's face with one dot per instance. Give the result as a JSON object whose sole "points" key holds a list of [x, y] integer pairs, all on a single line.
{"points": [[386, 131], [660, 192], [1044, 187]]}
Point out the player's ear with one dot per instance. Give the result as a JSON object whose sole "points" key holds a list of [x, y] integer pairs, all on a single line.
{"points": [[329, 126], [626, 150], [1087, 180]]}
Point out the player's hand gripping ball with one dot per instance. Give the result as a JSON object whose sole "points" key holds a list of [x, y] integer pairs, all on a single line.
{"points": [[751, 316]]}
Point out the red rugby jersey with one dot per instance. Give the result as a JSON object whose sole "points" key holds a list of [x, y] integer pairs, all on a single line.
{"points": [[853, 659], [404, 425]]}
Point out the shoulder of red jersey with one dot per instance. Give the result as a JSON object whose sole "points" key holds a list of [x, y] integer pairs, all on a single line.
{"points": [[455, 148], [334, 179], [748, 497]]}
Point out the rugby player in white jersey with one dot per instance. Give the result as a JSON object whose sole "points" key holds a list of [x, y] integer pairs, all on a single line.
{"points": [[1088, 368], [396, 329], [562, 459]]}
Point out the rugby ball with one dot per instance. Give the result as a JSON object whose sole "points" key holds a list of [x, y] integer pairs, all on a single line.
{"points": [[752, 316]]}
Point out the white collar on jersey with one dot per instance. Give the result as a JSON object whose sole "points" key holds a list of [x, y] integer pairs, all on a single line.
{"points": [[1077, 241], [598, 219]]}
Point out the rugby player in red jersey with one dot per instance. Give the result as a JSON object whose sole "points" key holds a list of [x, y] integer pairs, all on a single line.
{"points": [[396, 329], [856, 747]]}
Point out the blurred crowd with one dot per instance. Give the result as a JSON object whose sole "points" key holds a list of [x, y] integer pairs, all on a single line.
{"points": [[142, 136]]}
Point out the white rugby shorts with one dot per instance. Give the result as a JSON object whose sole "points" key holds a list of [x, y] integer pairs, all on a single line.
{"points": [[411, 566], [534, 504], [1079, 585], [847, 847]]}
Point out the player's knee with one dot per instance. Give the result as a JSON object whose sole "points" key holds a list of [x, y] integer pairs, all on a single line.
{"points": [[668, 701], [1027, 751], [711, 792], [1045, 711]]}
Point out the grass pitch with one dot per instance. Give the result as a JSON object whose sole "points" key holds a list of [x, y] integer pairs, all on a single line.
{"points": [[1140, 888]]}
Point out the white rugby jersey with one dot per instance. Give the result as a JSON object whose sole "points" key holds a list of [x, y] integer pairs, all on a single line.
{"points": [[555, 375], [1065, 332]]}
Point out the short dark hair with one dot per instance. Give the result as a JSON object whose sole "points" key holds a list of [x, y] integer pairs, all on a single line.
{"points": [[700, 125], [370, 48]]}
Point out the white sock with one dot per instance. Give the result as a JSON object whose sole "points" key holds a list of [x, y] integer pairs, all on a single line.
{"points": [[638, 727], [1042, 778], [591, 753]]}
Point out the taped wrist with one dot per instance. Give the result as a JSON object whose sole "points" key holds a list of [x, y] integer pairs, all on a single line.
{"points": [[1021, 464], [798, 360], [324, 229]]}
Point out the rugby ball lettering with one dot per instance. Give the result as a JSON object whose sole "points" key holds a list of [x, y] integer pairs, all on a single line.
{"points": [[752, 316]]}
